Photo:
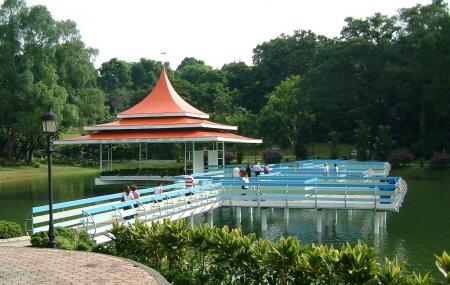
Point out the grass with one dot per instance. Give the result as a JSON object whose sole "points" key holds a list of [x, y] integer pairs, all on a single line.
{"points": [[414, 171], [27, 172]]}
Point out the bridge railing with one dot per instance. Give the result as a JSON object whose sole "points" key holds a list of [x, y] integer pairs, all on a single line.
{"points": [[69, 214], [97, 221], [377, 196]]}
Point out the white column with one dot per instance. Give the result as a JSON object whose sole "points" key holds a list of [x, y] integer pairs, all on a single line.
{"points": [[251, 214], [193, 156], [286, 214], [191, 220], [238, 216], [140, 158], [376, 223], [185, 151], [110, 165], [101, 159], [263, 219], [336, 218], [211, 217], [319, 221], [223, 149]]}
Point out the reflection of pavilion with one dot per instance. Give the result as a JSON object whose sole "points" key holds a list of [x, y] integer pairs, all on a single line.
{"points": [[164, 117]]}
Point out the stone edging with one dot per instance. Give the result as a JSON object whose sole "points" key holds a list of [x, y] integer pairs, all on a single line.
{"points": [[158, 277], [22, 238], [152, 272]]}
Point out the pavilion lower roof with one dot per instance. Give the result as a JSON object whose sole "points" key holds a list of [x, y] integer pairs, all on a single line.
{"points": [[159, 123], [159, 136]]}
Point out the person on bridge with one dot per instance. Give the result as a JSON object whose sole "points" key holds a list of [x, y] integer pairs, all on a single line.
{"points": [[326, 169], [257, 169], [336, 169], [236, 172], [245, 181], [158, 189], [189, 181], [266, 169], [127, 196], [248, 170]]}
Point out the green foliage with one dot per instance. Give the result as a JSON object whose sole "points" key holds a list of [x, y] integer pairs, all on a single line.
{"points": [[443, 264], [362, 140], [10, 229], [272, 155], [66, 238], [383, 143], [209, 255], [333, 144]]}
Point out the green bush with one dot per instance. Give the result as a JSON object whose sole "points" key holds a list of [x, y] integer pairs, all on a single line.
{"points": [[209, 255], [10, 229], [66, 238]]}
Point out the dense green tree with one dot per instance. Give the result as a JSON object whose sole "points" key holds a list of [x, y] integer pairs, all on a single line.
{"points": [[287, 117], [44, 63], [115, 80], [189, 61]]}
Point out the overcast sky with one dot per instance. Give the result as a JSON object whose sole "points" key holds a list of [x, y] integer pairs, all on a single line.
{"points": [[216, 31]]}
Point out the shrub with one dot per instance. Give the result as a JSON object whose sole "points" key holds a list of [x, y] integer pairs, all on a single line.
{"points": [[272, 155], [10, 229], [440, 160], [400, 158], [210, 255], [66, 238]]}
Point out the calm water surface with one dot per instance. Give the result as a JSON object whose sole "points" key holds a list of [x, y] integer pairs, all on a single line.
{"points": [[419, 230]]}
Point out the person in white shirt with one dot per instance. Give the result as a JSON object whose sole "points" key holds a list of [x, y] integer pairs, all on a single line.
{"points": [[245, 181], [127, 195], [236, 172], [158, 189], [336, 169], [257, 169], [326, 169]]}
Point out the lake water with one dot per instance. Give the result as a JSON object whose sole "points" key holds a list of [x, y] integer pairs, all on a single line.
{"points": [[418, 231]]}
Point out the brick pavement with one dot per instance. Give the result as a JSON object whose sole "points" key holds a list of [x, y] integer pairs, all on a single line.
{"points": [[24, 265]]}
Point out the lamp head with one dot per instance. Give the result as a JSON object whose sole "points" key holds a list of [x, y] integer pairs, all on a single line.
{"points": [[49, 122]]}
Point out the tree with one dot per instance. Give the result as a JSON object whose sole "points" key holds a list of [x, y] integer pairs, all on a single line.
{"points": [[287, 117], [115, 80], [44, 63], [189, 61], [362, 137]]}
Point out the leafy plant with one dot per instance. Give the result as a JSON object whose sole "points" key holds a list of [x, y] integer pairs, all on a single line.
{"points": [[10, 229], [443, 264], [209, 255], [66, 238]]}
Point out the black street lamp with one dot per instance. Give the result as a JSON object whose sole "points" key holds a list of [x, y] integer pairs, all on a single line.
{"points": [[49, 127]]}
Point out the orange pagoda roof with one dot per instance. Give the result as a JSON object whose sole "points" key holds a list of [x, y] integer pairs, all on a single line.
{"points": [[163, 101], [160, 136], [162, 116]]}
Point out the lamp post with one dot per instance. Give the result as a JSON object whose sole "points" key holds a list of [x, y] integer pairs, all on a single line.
{"points": [[49, 127]]}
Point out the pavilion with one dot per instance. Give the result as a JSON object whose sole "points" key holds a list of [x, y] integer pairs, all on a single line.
{"points": [[164, 117]]}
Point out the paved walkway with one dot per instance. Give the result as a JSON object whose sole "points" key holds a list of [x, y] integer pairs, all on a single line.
{"points": [[22, 265]]}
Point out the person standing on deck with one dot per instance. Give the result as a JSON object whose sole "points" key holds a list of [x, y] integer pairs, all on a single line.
{"points": [[158, 189], [257, 169], [236, 172], [248, 170], [127, 196], [326, 169], [135, 192], [336, 169], [245, 181], [266, 169], [189, 181]]}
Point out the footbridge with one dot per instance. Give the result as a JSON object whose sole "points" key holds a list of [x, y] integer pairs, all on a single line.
{"points": [[281, 189]]}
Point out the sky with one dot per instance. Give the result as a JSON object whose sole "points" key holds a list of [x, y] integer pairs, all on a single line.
{"points": [[216, 31]]}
